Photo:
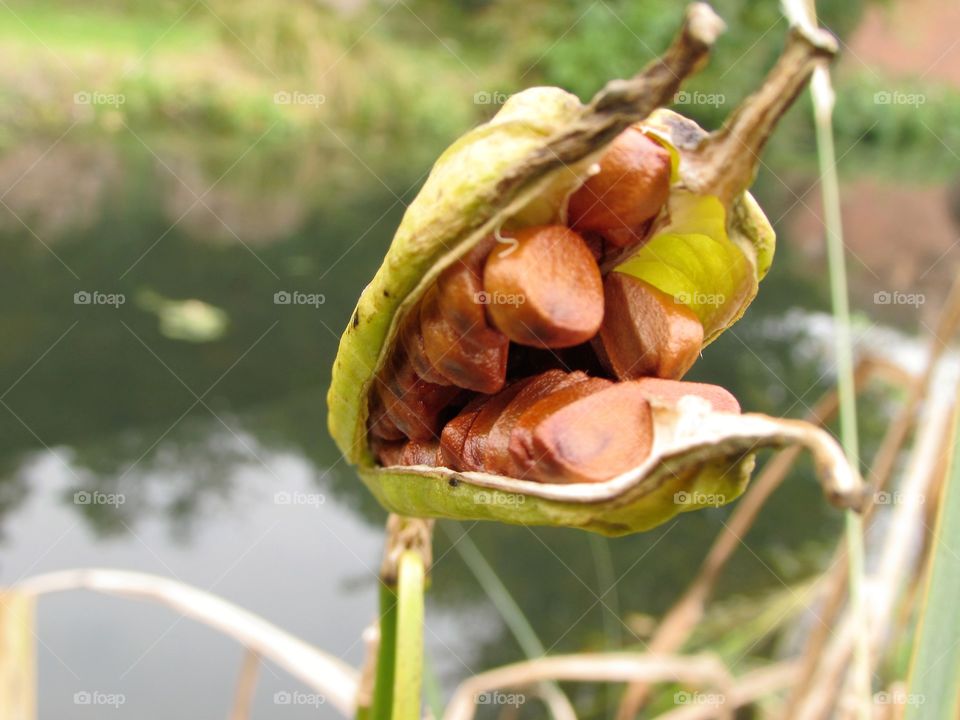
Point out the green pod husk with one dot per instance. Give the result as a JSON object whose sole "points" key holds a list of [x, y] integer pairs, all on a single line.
{"points": [[518, 169]]}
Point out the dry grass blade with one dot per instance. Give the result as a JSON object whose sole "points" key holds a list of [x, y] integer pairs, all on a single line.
{"points": [[898, 555], [699, 670], [246, 686], [879, 477], [748, 689]]}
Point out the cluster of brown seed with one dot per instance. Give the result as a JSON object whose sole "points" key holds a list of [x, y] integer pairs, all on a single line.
{"points": [[443, 398]]}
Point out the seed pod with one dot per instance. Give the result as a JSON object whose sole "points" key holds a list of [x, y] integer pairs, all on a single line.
{"points": [[632, 184], [587, 433], [646, 332], [711, 241], [546, 290]]}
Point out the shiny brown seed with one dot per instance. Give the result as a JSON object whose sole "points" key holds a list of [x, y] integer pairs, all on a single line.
{"points": [[414, 405], [631, 187], [388, 452], [476, 360], [669, 392], [577, 436], [496, 457], [381, 426], [411, 338], [645, 332], [417, 452], [475, 446], [455, 433], [546, 290]]}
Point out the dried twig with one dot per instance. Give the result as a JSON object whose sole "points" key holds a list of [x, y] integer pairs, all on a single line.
{"points": [[326, 674]]}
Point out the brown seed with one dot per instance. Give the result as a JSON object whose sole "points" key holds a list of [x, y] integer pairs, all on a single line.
{"points": [[631, 187], [455, 432], [414, 405], [546, 290], [580, 436], [496, 449], [388, 453], [474, 446], [416, 452], [381, 426], [645, 331], [670, 392], [476, 360], [411, 339]]}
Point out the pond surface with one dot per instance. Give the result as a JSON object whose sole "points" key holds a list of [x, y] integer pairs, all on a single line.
{"points": [[145, 433]]}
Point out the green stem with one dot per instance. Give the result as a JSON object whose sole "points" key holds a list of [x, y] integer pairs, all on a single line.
{"points": [[408, 668], [382, 704], [826, 155]]}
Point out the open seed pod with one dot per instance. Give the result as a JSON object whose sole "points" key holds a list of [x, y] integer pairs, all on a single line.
{"points": [[706, 249]]}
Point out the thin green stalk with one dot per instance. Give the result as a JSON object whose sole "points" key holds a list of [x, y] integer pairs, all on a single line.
{"points": [[382, 704], [607, 581], [830, 187], [408, 668], [512, 615], [935, 666]]}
